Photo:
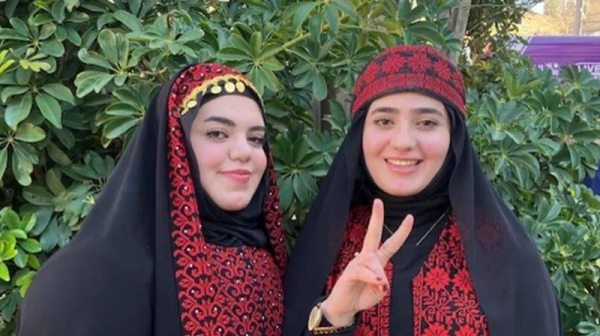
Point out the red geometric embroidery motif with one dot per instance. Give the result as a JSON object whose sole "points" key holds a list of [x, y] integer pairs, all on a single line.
{"points": [[221, 291], [374, 321], [406, 68], [444, 300]]}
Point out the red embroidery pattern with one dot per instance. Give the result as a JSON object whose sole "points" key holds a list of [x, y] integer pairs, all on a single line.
{"points": [[374, 321], [410, 67], [221, 291], [444, 300]]}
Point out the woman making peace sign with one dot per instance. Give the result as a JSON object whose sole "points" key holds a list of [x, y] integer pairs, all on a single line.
{"points": [[446, 256]]}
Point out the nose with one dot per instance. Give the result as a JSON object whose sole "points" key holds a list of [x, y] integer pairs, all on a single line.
{"points": [[403, 139], [240, 149]]}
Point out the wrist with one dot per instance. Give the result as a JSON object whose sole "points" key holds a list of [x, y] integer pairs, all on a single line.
{"points": [[335, 316]]}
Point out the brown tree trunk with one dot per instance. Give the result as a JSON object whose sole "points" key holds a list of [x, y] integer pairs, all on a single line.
{"points": [[458, 23]]}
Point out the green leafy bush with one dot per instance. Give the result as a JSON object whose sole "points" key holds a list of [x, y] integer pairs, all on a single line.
{"points": [[76, 77]]}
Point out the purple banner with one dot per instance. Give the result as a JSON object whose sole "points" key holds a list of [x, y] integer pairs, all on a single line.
{"points": [[557, 51]]}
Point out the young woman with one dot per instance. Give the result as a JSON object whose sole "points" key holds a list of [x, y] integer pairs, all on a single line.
{"points": [[186, 238], [407, 236]]}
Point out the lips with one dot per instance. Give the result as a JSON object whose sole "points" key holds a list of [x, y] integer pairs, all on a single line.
{"points": [[237, 175], [403, 166], [402, 163]]}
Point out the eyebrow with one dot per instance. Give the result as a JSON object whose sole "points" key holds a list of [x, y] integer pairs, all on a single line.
{"points": [[231, 123], [419, 110]]}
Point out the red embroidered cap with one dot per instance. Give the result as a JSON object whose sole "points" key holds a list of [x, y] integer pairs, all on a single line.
{"points": [[418, 68]]}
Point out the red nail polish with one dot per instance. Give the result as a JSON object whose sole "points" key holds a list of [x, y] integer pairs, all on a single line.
{"points": [[379, 279], [386, 288]]}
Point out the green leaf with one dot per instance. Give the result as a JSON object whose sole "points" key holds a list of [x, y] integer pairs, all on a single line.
{"points": [[11, 34], [23, 75], [42, 18], [47, 30], [29, 133], [118, 127], [92, 57], [70, 4], [256, 43], [35, 66], [108, 44], [31, 245], [37, 195], [58, 155], [3, 161], [319, 87], [134, 6], [50, 109], [129, 20], [4, 275], [10, 218], [19, 26], [18, 233], [332, 18], [10, 91], [347, 7], [52, 48], [300, 12], [66, 137], [74, 37], [28, 222], [22, 167], [89, 81], [58, 11], [53, 182], [21, 258], [17, 109], [121, 109], [59, 92], [233, 54]]}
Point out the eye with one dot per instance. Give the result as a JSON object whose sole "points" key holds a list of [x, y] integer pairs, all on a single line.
{"points": [[428, 123], [216, 134], [259, 141], [383, 121]]}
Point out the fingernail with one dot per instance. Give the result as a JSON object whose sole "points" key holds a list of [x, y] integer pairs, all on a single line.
{"points": [[386, 288], [379, 279]]}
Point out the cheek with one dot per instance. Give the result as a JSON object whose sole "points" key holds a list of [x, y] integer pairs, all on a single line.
{"points": [[436, 146], [373, 143], [260, 161], [208, 156]]}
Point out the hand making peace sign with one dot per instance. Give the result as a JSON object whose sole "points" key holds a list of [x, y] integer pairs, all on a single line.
{"points": [[363, 283]]}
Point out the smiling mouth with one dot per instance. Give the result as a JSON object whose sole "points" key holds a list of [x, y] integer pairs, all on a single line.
{"points": [[403, 163]]}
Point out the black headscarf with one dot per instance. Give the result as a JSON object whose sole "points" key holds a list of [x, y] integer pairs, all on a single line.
{"points": [[510, 279], [117, 276], [227, 228]]}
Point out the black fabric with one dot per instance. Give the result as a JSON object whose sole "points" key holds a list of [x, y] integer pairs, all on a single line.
{"points": [[407, 263], [426, 207], [220, 227], [510, 279], [116, 277], [117, 274]]}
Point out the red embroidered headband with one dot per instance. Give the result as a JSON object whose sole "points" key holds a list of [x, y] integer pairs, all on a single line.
{"points": [[418, 68]]}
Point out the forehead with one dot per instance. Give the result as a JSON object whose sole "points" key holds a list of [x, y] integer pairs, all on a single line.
{"points": [[237, 108], [407, 101]]}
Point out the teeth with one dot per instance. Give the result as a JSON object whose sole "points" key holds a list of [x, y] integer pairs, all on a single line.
{"points": [[403, 163]]}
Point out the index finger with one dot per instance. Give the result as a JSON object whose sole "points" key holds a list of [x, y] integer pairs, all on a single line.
{"points": [[395, 242], [375, 228]]}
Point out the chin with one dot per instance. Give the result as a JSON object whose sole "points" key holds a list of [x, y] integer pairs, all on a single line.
{"points": [[233, 205]]}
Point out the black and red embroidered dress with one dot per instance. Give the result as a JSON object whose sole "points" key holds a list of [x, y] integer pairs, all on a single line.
{"points": [[141, 265], [478, 274]]}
